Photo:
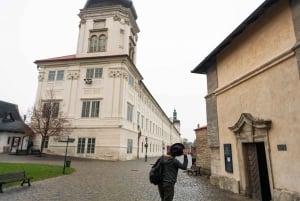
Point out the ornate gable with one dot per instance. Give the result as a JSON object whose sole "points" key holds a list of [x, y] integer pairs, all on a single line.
{"points": [[249, 128]]}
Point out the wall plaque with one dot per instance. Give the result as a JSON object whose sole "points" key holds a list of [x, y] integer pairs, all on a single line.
{"points": [[228, 158], [281, 147]]}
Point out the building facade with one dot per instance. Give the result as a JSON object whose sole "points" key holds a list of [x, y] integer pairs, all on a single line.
{"points": [[253, 113], [101, 91]]}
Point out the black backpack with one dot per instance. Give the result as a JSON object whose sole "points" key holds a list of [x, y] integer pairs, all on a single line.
{"points": [[156, 172]]}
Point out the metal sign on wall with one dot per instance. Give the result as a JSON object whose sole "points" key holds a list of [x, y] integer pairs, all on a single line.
{"points": [[228, 158]]}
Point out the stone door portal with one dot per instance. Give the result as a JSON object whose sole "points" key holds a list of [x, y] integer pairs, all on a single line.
{"points": [[254, 160]]}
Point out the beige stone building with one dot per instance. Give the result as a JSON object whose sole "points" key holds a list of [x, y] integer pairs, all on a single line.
{"points": [[253, 99], [101, 91]]}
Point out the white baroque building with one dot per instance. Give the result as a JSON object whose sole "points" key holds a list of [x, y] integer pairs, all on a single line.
{"points": [[101, 91]]}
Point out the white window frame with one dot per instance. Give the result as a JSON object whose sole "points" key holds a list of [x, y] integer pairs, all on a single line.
{"points": [[130, 80], [129, 112], [90, 108], [92, 73], [91, 145], [54, 75], [81, 145]]}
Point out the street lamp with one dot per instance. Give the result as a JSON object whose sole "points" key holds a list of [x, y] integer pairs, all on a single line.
{"points": [[146, 147], [65, 159]]}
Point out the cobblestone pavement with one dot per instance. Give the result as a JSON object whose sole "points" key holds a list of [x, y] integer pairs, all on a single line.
{"points": [[96, 180]]}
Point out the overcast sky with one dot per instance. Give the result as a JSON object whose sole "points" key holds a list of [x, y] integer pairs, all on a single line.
{"points": [[175, 37]]}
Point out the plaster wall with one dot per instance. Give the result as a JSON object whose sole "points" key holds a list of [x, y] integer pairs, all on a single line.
{"points": [[273, 95], [263, 40]]}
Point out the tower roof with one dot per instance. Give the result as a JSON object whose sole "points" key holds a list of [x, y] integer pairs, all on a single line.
{"points": [[100, 3]]}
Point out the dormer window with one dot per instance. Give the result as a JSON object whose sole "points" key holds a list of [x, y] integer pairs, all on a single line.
{"points": [[8, 117]]}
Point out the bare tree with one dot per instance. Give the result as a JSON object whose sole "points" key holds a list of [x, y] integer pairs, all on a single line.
{"points": [[47, 121]]}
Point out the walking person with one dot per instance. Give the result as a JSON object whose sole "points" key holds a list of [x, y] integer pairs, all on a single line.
{"points": [[170, 170]]}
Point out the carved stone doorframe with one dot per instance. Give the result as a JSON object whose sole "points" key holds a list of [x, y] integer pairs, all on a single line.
{"points": [[251, 130]]}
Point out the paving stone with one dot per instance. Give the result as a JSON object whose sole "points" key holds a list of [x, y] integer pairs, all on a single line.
{"points": [[96, 180]]}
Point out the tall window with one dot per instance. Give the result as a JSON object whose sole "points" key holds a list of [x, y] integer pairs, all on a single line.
{"points": [[85, 109], [98, 72], [138, 119], [56, 75], [146, 124], [80, 145], [90, 109], [129, 112], [46, 142], [91, 145], [89, 73], [102, 43], [60, 75], [51, 75], [93, 73], [131, 80], [142, 122], [95, 108], [51, 109], [129, 146], [93, 43]]}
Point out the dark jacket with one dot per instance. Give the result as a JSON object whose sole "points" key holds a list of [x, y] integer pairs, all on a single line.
{"points": [[170, 168]]}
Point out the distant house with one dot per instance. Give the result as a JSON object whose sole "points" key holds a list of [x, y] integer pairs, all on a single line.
{"points": [[253, 113], [13, 130]]}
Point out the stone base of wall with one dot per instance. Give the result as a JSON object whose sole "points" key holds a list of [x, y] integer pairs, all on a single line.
{"points": [[232, 185], [284, 195], [214, 180], [205, 171], [225, 183]]}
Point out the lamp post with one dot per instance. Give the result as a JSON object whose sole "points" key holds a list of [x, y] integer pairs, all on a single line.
{"points": [[139, 136], [146, 147], [65, 159]]}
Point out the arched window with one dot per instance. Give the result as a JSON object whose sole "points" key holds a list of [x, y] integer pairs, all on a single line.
{"points": [[93, 44], [102, 43]]}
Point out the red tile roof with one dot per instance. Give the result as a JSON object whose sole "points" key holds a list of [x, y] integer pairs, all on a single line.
{"points": [[67, 57]]}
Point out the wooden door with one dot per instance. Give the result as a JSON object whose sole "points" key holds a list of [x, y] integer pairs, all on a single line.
{"points": [[253, 172]]}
